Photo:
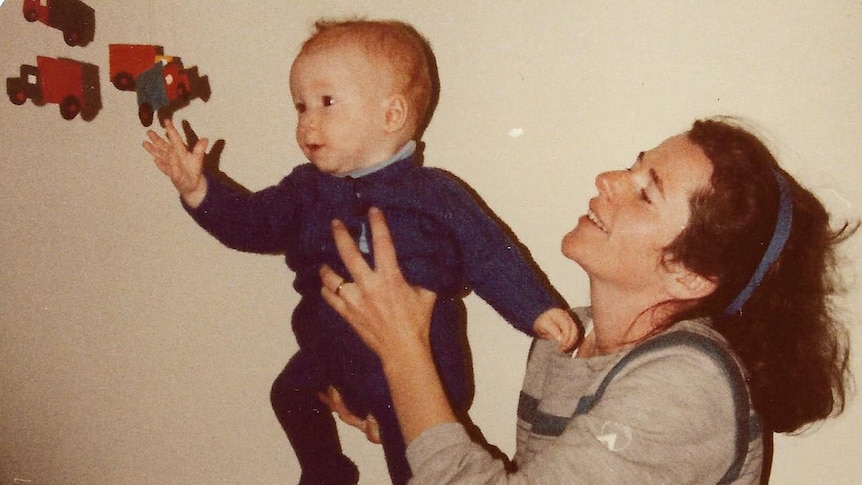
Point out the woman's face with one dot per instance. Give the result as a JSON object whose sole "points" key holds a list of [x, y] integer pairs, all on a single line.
{"points": [[637, 213]]}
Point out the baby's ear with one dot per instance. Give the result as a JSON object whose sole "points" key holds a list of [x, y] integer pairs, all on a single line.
{"points": [[397, 110]]}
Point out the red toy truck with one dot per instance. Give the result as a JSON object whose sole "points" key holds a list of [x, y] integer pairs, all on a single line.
{"points": [[71, 84], [164, 83], [74, 18], [128, 60], [161, 82]]}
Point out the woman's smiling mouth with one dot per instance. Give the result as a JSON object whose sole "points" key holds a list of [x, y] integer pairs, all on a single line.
{"points": [[595, 219]]}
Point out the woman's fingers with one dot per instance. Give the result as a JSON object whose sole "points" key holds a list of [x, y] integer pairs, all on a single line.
{"points": [[372, 430], [348, 251], [368, 425], [383, 309], [385, 258], [331, 282]]}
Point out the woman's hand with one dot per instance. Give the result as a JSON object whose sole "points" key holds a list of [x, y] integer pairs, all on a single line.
{"points": [[394, 320], [392, 317], [367, 425]]}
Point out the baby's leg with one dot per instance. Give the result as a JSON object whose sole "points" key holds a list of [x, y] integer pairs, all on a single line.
{"points": [[309, 425]]}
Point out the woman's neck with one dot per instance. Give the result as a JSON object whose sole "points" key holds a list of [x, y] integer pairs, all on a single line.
{"points": [[621, 319]]}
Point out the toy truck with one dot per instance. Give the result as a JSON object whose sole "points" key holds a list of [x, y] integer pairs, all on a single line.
{"points": [[74, 18], [127, 61], [71, 84], [164, 83]]}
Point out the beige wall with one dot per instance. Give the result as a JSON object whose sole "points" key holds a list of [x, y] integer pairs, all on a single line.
{"points": [[136, 350]]}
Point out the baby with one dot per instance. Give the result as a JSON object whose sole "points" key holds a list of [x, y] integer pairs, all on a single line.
{"points": [[362, 91]]}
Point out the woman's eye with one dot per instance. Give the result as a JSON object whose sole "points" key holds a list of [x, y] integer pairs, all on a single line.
{"points": [[300, 107], [328, 101], [645, 197]]}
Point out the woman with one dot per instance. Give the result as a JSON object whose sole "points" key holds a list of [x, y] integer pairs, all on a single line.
{"points": [[710, 273]]}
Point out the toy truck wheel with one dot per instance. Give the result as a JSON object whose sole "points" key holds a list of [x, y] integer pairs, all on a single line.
{"points": [[72, 38], [124, 81], [145, 114], [70, 107], [17, 97], [31, 15]]}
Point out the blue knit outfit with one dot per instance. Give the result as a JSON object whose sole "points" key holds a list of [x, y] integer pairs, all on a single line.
{"points": [[446, 242]]}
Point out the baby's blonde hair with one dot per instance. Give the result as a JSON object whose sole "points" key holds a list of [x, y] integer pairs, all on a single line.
{"points": [[393, 44]]}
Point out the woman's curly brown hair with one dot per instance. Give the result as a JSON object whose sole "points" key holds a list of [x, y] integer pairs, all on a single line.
{"points": [[788, 336]]}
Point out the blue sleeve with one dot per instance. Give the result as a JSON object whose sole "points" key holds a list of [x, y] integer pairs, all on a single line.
{"points": [[496, 266], [251, 222]]}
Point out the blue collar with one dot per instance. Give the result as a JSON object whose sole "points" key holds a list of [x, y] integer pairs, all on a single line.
{"points": [[407, 150]]}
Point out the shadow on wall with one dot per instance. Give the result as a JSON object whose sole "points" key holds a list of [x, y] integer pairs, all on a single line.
{"points": [[212, 160]]}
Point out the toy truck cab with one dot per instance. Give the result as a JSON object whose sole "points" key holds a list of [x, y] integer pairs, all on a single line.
{"points": [[166, 81], [74, 18], [25, 87]]}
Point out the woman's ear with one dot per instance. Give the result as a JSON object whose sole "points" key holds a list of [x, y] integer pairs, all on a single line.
{"points": [[685, 284], [397, 110]]}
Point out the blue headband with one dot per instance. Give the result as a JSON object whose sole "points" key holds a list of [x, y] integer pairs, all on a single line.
{"points": [[779, 238]]}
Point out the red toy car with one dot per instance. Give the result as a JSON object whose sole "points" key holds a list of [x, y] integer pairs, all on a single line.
{"points": [[74, 18]]}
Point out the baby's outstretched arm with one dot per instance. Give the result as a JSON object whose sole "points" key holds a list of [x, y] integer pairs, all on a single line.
{"points": [[558, 325], [183, 166]]}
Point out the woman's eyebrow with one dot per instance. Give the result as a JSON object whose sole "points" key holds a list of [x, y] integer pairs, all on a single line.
{"points": [[653, 176], [657, 181]]}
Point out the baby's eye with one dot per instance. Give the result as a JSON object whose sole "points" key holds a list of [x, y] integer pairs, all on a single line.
{"points": [[300, 107], [328, 101]]}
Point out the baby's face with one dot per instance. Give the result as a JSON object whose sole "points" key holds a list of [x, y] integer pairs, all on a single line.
{"points": [[341, 101]]}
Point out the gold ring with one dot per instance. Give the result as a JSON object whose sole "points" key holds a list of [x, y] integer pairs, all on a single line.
{"points": [[338, 288]]}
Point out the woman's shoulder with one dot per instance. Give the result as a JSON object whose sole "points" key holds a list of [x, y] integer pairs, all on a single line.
{"points": [[701, 327], [694, 341]]}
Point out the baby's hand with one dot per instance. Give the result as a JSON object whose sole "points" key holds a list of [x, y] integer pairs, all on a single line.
{"points": [[558, 325], [183, 166]]}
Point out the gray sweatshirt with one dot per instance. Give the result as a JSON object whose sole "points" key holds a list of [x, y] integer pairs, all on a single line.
{"points": [[667, 417]]}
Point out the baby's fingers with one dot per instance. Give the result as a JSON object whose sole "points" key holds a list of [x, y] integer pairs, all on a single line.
{"points": [[174, 137], [200, 148], [570, 338]]}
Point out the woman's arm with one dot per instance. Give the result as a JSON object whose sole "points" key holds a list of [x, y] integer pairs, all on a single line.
{"points": [[393, 318], [669, 418]]}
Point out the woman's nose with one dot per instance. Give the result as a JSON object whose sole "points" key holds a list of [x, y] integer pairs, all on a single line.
{"points": [[611, 184]]}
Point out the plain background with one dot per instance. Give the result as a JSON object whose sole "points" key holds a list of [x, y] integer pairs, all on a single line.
{"points": [[136, 350]]}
